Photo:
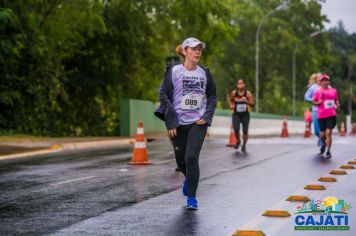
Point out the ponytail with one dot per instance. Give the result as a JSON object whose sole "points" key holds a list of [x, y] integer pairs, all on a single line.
{"points": [[312, 79], [179, 50]]}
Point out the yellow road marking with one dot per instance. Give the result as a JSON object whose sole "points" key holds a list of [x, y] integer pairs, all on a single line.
{"points": [[314, 187], [347, 167], [248, 233], [327, 179], [298, 199], [276, 213], [338, 172]]}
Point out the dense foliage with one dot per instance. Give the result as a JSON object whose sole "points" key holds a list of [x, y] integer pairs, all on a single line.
{"points": [[65, 65]]}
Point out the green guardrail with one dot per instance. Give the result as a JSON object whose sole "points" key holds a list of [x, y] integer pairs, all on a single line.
{"points": [[132, 111], [255, 115]]}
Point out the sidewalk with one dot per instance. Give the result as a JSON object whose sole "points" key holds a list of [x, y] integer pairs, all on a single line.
{"points": [[30, 147]]}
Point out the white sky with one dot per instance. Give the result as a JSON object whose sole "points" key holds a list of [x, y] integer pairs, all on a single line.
{"points": [[344, 10]]}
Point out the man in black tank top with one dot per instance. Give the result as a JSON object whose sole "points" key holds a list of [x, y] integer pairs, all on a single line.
{"points": [[241, 102]]}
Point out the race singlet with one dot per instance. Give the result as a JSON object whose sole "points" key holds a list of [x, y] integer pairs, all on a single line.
{"points": [[328, 104], [241, 107], [191, 102]]}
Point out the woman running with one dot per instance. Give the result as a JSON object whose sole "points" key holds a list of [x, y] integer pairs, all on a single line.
{"points": [[327, 101], [314, 84], [241, 102], [188, 102]]}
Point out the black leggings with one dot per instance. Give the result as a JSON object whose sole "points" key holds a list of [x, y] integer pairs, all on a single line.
{"points": [[187, 145], [241, 118]]}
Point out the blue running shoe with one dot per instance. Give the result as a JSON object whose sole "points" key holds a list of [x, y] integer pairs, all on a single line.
{"points": [[322, 149], [185, 187], [192, 203]]}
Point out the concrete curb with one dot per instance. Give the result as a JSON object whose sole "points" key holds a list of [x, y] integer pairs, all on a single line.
{"points": [[97, 144], [71, 147], [53, 149]]}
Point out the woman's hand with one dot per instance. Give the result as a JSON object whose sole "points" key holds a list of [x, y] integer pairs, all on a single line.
{"points": [[201, 122], [318, 102], [232, 108], [172, 133]]}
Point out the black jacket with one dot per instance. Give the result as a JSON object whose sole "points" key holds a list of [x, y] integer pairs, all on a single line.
{"points": [[166, 111]]}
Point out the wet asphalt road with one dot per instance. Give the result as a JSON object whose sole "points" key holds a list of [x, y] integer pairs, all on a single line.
{"points": [[97, 193]]}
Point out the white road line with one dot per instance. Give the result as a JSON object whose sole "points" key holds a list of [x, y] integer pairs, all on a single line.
{"points": [[72, 180]]}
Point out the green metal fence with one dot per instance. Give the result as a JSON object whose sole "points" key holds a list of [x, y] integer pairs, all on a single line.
{"points": [[132, 111], [254, 115]]}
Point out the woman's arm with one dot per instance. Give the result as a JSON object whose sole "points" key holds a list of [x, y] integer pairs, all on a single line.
{"points": [[165, 97], [250, 99], [337, 102], [211, 99], [316, 99], [231, 99], [309, 94]]}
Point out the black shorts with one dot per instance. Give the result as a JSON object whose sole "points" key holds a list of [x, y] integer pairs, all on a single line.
{"points": [[327, 123], [241, 118]]}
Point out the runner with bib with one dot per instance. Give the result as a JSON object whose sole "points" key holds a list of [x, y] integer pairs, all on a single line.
{"points": [[241, 102], [326, 99], [187, 105]]}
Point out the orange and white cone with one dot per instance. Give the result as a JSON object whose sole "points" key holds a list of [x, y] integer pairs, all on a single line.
{"points": [[139, 155], [284, 133], [352, 131], [232, 138], [307, 133], [342, 129]]}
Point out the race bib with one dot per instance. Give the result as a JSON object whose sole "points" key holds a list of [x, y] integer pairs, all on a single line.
{"points": [[329, 104], [191, 102], [241, 107]]}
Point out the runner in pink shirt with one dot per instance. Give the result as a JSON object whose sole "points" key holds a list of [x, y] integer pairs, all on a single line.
{"points": [[327, 101]]}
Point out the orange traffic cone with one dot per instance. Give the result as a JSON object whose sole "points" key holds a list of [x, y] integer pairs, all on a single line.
{"points": [[232, 138], [284, 133], [307, 133], [342, 129], [352, 131], [139, 155]]}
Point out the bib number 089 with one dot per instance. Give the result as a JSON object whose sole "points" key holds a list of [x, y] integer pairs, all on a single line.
{"points": [[191, 102]]}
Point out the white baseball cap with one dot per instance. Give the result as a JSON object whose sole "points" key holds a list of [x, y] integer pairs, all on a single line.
{"points": [[324, 77], [192, 43]]}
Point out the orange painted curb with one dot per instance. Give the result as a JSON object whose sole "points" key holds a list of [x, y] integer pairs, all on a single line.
{"points": [[55, 147]]}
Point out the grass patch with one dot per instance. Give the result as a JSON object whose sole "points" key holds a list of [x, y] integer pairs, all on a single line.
{"points": [[22, 137]]}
